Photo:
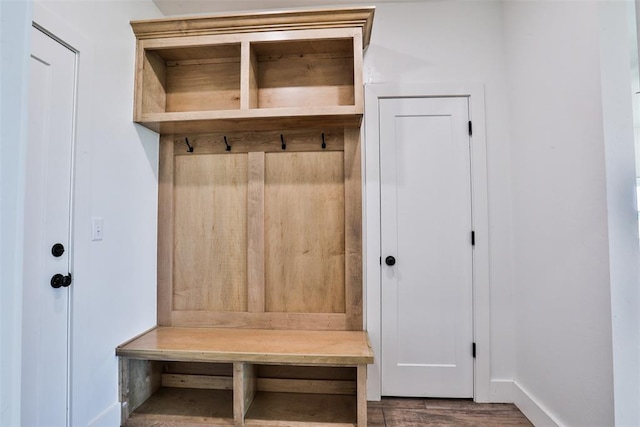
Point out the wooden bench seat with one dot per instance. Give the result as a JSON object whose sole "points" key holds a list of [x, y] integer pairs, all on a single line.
{"points": [[174, 376], [268, 346]]}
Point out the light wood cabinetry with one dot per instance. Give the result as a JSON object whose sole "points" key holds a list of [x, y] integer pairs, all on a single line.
{"points": [[260, 72], [259, 221]]}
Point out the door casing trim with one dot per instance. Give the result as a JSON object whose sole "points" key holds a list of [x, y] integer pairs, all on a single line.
{"points": [[479, 205]]}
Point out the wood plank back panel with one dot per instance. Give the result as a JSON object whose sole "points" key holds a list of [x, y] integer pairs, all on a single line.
{"points": [[305, 73], [327, 81], [278, 385], [304, 227], [210, 245], [192, 368], [203, 87], [221, 52], [307, 372], [210, 382]]}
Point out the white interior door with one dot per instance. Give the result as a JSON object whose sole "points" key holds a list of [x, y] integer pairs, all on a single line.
{"points": [[45, 336], [427, 330]]}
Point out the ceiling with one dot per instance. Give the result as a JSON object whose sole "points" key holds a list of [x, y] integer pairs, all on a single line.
{"points": [[182, 7]]}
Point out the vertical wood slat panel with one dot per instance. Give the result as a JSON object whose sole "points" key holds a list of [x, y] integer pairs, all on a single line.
{"points": [[304, 232], [244, 389], [210, 215], [154, 74], [253, 79], [138, 93], [361, 396], [249, 386], [358, 85], [255, 233], [353, 228], [238, 393], [165, 230], [245, 79]]}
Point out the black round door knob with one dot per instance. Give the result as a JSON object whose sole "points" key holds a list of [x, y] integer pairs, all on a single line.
{"points": [[390, 260], [57, 250], [56, 281], [60, 281]]}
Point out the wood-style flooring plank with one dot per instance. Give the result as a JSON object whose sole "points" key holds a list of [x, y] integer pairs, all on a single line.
{"points": [[375, 416], [414, 412]]}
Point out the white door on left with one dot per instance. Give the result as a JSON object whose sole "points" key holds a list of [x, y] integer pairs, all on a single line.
{"points": [[46, 301]]}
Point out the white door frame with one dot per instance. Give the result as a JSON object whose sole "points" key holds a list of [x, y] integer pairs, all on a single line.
{"points": [[479, 204]]}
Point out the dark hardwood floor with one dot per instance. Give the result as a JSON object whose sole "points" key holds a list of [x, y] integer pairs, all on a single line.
{"points": [[409, 412]]}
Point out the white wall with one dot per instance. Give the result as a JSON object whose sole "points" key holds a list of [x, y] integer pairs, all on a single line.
{"points": [[461, 42], [116, 178], [15, 24], [571, 146]]}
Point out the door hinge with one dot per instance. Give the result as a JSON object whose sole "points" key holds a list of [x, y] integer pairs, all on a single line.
{"points": [[473, 350], [470, 128], [473, 238]]}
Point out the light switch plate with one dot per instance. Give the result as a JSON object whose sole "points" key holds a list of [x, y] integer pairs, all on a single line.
{"points": [[97, 228]]}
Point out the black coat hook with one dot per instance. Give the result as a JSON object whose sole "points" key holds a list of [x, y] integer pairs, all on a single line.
{"points": [[190, 150], [324, 144], [284, 146], [227, 144]]}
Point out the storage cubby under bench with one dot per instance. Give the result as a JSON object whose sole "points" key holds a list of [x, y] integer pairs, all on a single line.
{"points": [[225, 376], [259, 302]]}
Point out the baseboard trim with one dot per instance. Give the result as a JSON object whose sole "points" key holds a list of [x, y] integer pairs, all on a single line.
{"points": [[501, 391], [532, 409], [108, 418]]}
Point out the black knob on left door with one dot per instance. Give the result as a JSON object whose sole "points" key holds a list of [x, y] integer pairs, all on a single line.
{"points": [[59, 281], [57, 250], [56, 281], [390, 260]]}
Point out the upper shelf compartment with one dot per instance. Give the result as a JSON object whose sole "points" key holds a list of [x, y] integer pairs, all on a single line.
{"points": [[302, 73], [262, 72], [199, 78]]}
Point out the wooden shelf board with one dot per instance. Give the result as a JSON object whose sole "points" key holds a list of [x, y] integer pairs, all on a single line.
{"points": [[298, 409], [254, 120], [184, 407], [334, 348]]}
